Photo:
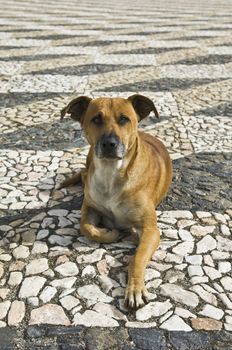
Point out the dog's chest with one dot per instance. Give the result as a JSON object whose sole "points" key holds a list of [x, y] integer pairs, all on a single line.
{"points": [[105, 192]]}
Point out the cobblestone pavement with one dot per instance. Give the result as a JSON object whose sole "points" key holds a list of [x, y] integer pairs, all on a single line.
{"points": [[180, 55]]}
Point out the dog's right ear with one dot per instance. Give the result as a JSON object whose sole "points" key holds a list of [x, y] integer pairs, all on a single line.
{"points": [[77, 108]]}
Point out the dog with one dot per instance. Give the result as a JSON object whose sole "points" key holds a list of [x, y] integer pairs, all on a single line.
{"points": [[128, 173]]}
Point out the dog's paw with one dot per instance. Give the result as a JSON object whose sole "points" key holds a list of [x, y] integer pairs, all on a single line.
{"points": [[108, 236], [136, 296]]}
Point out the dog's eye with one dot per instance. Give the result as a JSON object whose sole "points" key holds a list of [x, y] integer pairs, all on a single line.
{"points": [[123, 120], [97, 120]]}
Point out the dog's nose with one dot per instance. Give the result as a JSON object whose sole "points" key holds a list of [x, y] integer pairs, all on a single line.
{"points": [[110, 142], [110, 146]]}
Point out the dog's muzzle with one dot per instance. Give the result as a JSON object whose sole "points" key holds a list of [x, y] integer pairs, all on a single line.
{"points": [[110, 146]]}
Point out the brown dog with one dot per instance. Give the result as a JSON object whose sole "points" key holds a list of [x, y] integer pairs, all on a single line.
{"points": [[127, 174]]}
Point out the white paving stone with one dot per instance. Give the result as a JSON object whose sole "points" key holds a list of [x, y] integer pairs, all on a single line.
{"points": [[16, 313], [185, 235], [153, 309], [64, 283], [91, 258], [184, 313], [15, 278], [203, 294], [69, 302], [195, 270], [175, 323], [184, 248], [31, 286], [206, 244], [179, 294], [212, 311], [58, 212], [109, 311], [88, 271], [42, 234], [178, 214], [37, 266], [93, 294], [227, 283], [59, 240], [198, 230], [49, 314], [47, 294], [224, 244], [67, 269], [92, 318], [194, 259], [4, 307], [224, 266], [39, 248], [21, 252], [212, 273]]}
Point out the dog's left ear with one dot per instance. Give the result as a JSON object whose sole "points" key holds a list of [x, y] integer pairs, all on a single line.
{"points": [[142, 106], [76, 108]]}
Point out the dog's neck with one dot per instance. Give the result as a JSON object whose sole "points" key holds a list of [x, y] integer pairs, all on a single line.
{"points": [[107, 173]]}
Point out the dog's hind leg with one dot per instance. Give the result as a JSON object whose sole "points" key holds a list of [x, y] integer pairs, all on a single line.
{"points": [[74, 180], [90, 219]]}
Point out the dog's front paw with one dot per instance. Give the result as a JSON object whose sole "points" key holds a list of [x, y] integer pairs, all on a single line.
{"points": [[136, 295]]}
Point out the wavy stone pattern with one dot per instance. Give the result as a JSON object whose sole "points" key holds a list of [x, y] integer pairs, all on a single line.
{"points": [[181, 58]]}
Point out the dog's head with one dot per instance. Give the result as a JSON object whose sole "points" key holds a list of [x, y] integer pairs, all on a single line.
{"points": [[110, 124]]}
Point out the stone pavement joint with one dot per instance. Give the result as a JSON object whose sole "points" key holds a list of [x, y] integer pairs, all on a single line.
{"points": [[58, 290]]}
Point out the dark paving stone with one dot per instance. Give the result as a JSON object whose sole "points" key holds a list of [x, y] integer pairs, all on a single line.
{"points": [[44, 347], [197, 37], [55, 36], [190, 341], [223, 336], [35, 332], [149, 50], [87, 69], [106, 339], [201, 181], [98, 43], [148, 339], [209, 59], [13, 99], [224, 109], [50, 331], [20, 30], [56, 136], [149, 33], [222, 346], [7, 337], [9, 47], [164, 84], [63, 331], [72, 344], [32, 57]]}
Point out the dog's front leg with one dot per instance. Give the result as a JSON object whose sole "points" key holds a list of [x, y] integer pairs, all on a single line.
{"points": [[136, 292], [90, 220]]}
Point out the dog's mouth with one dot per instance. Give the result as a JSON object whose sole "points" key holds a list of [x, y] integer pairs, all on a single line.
{"points": [[110, 147], [109, 155]]}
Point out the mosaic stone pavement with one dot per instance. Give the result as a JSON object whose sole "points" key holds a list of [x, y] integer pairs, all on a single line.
{"points": [[180, 55]]}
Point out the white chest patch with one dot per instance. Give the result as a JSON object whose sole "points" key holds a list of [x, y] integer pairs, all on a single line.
{"points": [[103, 190]]}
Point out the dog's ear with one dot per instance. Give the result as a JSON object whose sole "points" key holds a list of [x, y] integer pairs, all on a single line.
{"points": [[142, 106], [76, 108]]}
